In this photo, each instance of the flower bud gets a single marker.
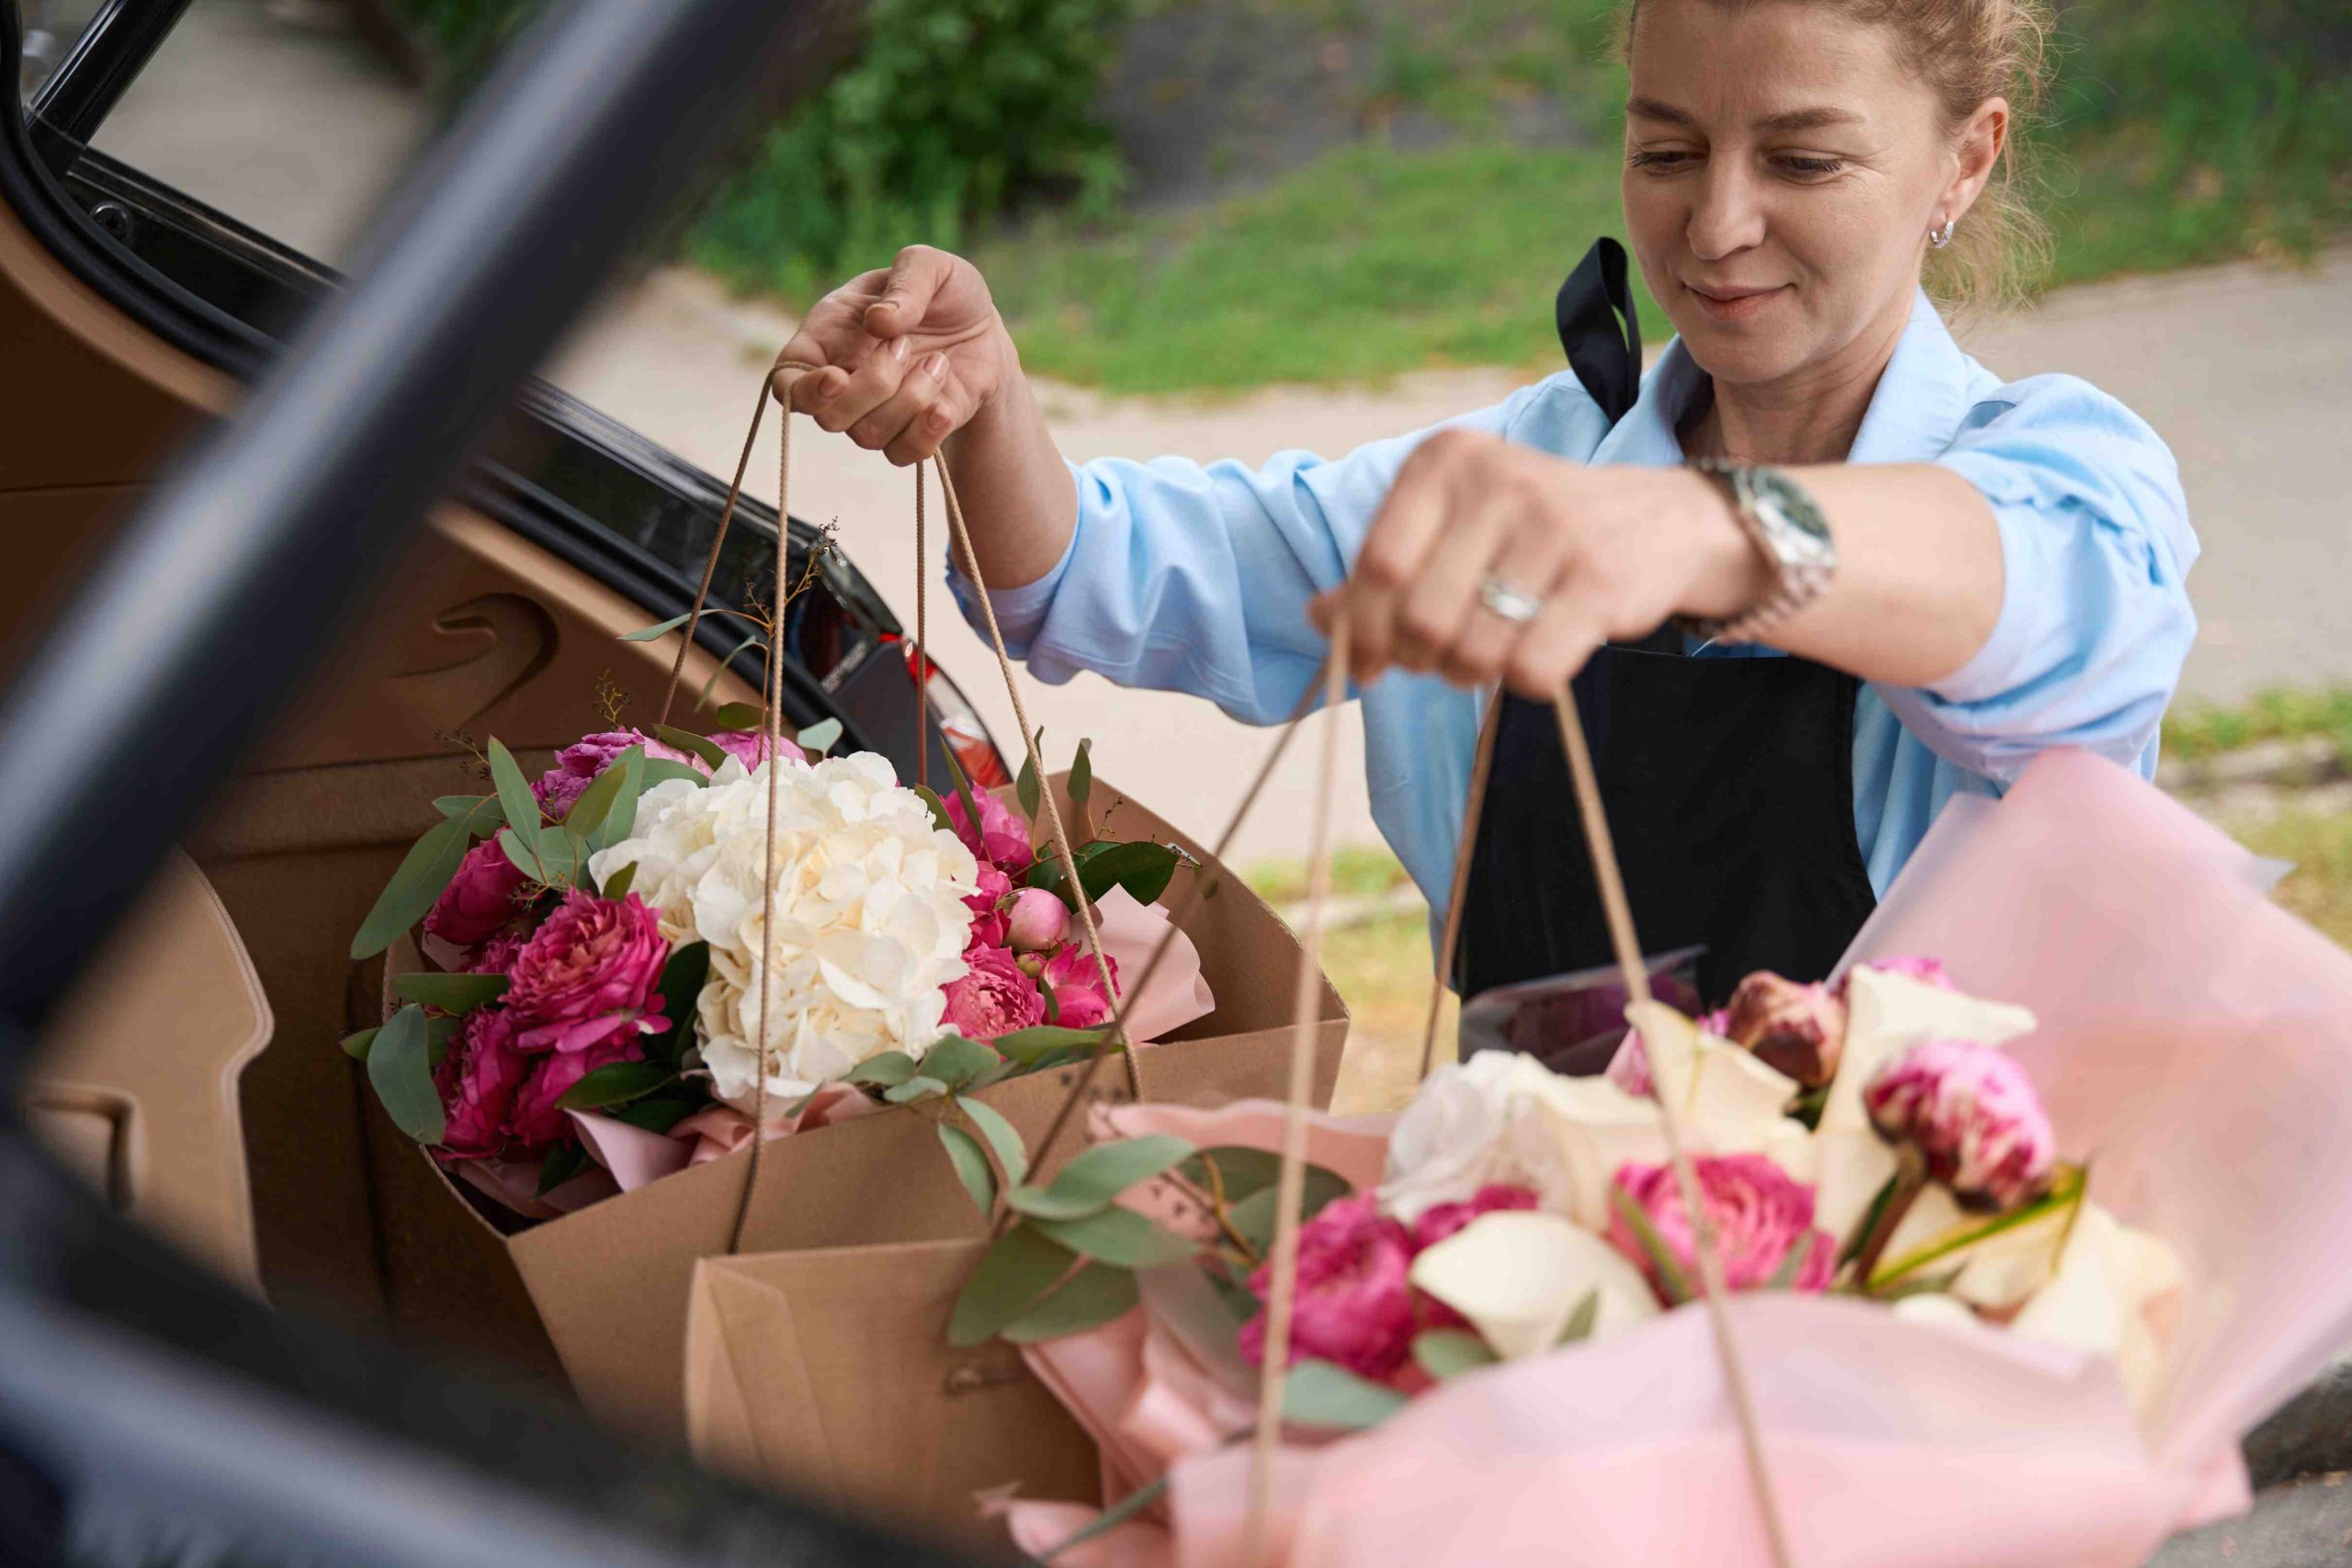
(1030, 964)
(1974, 1116)
(1792, 1029)
(1038, 920)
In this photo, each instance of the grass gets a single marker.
(2194, 732)
(2320, 888)
(2180, 132)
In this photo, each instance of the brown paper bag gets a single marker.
(862, 1406)
(611, 1282)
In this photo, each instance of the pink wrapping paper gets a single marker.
(2195, 1041)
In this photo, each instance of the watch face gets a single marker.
(1799, 532)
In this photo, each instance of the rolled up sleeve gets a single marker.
(1189, 577)
(2095, 620)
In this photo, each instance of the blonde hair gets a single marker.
(1967, 52)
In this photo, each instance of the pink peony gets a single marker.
(750, 747)
(591, 972)
(479, 899)
(1077, 980)
(478, 1080)
(1442, 1220)
(538, 1120)
(994, 998)
(577, 765)
(990, 922)
(1972, 1112)
(1760, 1215)
(1797, 1030)
(1927, 971)
(1001, 839)
(1353, 1305)
(1037, 920)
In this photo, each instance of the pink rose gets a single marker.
(1001, 839)
(1975, 1115)
(1353, 1305)
(1037, 920)
(479, 899)
(591, 972)
(538, 1120)
(1076, 981)
(1442, 1220)
(478, 1080)
(1760, 1214)
(1927, 971)
(993, 998)
(577, 765)
(1797, 1030)
(988, 919)
(750, 747)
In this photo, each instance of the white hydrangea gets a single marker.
(871, 922)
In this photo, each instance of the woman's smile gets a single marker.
(1726, 303)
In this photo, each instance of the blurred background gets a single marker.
(1222, 228)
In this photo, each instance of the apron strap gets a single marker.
(1606, 359)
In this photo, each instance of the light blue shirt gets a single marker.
(1192, 578)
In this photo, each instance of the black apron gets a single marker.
(1728, 782)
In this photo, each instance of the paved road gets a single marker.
(264, 108)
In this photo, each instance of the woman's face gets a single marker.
(1782, 170)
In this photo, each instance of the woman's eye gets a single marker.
(1811, 168)
(1662, 160)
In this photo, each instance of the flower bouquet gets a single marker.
(576, 1035)
(2008, 1283)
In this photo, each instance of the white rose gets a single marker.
(1474, 1123)
(870, 922)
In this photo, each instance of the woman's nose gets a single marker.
(1729, 216)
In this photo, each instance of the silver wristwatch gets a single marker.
(1781, 521)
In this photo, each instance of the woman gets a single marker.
(1959, 572)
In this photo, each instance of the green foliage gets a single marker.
(953, 112)
(2196, 730)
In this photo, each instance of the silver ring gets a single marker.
(1506, 602)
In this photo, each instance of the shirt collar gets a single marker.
(1913, 417)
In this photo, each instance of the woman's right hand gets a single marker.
(910, 355)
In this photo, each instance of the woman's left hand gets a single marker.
(1605, 553)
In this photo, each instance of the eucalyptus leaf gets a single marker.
(619, 822)
(1028, 1045)
(1091, 1181)
(595, 802)
(688, 740)
(939, 817)
(423, 872)
(1120, 1236)
(963, 789)
(971, 1163)
(1023, 1265)
(515, 796)
(1090, 1298)
(1317, 1393)
(1112, 1517)
(621, 880)
(955, 1061)
(440, 1034)
(1253, 1216)
(464, 805)
(615, 1083)
(820, 738)
(657, 630)
(520, 858)
(355, 1044)
(1082, 774)
(1449, 1352)
(736, 715)
(658, 1113)
(1001, 1136)
(662, 770)
(450, 993)
(887, 1069)
(923, 1086)
(400, 1071)
(1027, 789)
(702, 698)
